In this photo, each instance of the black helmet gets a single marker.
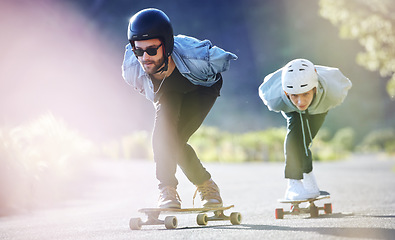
(151, 23)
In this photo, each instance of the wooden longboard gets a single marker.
(311, 208)
(184, 210)
(171, 222)
(304, 200)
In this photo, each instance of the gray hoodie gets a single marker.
(331, 91)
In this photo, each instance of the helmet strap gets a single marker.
(165, 67)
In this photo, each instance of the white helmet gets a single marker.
(299, 76)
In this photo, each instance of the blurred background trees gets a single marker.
(64, 57)
(372, 24)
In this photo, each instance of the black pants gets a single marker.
(180, 110)
(298, 158)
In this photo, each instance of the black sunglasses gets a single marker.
(152, 51)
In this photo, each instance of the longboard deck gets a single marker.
(171, 222)
(304, 200)
(184, 210)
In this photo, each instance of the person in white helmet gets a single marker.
(303, 93)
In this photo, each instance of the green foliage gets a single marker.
(37, 160)
(372, 24)
(133, 146)
(265, 145)
(209, 142)
(379, 141)
(213, 145)
(344, 140)
(339, 146)
(137, 145)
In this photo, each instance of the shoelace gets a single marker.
(170, 193)
(205, 191)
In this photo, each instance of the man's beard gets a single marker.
(154, 65)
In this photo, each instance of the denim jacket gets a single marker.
(332, 89)
(198, 61)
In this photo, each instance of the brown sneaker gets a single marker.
(209, 194)
(169, 198)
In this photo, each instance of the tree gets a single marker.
(371, 22)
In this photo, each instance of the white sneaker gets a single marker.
(169, 198)
(296, 191)
(209, 194)
(310, 184)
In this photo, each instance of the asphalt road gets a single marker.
(362, 195)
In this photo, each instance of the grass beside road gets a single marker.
(38, 161)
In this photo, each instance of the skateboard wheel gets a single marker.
(171, 222)
(313, 211)
(201, 219)
(235, 218)
(135, 223)
(279, 213)
(328, 208)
